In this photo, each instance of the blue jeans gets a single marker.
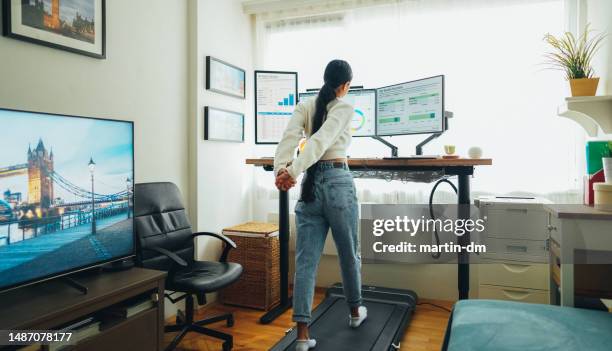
(335, 207)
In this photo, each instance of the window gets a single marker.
(503, 99)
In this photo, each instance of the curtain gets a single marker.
(503, 98)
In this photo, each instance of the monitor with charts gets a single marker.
(415, 107)
(275, 100)
(364, 103)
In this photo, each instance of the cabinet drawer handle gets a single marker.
(516, 248)
(516, 294)
(516, 268)
(520, 210)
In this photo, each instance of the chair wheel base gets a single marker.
(180, 317)
(227, 346)
(189, 325)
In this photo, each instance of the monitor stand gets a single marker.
(419, 148)
(394, 149)
(74, 284)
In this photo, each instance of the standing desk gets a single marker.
(462, 168)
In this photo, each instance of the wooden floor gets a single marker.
(426, 331)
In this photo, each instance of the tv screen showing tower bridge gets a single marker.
(66, 186)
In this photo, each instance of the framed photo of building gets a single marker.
(223, 125)
(77, 26)
(225, 78)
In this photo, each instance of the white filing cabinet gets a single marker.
(515, 266)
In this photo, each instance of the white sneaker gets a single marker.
(304, 345)
(355, 322)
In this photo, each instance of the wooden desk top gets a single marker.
(578, 212)
(400, 162)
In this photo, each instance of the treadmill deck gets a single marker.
(389, 312)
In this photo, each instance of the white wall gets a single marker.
(223, 179)
(599, 14)
(154, 75)
(143, 79)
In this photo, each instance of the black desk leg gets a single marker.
(463, 267)
(283, 222)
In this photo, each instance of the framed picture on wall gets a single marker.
(223, 125)
(77, 26)
(225, 78)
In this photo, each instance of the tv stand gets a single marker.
(74, 284)
(52, 305)
(116, 266)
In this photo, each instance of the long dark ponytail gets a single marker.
(337, 73)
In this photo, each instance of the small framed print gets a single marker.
(77, 26)
(223, 125)
(225, 78)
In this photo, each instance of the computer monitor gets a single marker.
(275, 100)
(303, 97)
(415, 107)
(364, 103)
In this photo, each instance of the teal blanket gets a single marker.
(502, 325)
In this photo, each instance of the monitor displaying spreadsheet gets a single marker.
(415, 107)
(364, 116)
(275, 100)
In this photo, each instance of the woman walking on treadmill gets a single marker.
(327, 199)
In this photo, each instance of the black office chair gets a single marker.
(165, 242)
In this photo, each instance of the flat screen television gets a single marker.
(66, 186)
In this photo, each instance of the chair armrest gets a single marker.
(174, 257)
(218, 236)
(230, 244)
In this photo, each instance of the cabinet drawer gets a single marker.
(516, 223)
(516, 250)
(135, 333)
(520, 275)
(513, 294)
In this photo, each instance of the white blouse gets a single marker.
(331, 141)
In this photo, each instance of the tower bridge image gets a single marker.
(40, 167)
(42, 178)
(39, 229)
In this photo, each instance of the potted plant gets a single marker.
(573, 55)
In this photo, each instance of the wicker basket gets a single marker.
(258, 252)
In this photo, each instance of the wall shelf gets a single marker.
(593, 113)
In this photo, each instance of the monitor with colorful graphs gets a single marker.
(364, 103)
(415, 107)
(275, 100)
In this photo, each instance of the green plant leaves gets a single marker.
(572, 54)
